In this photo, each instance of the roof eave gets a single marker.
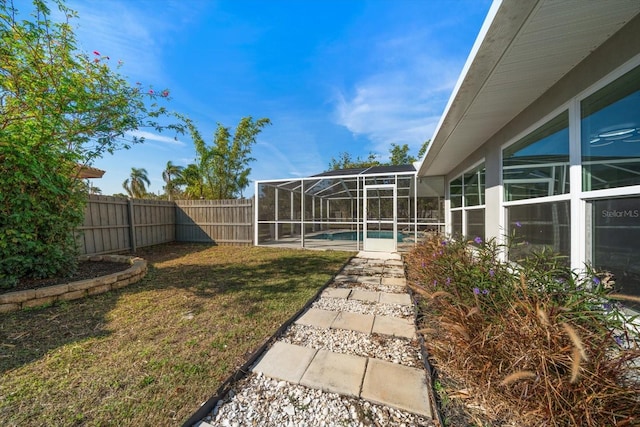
(522, 51)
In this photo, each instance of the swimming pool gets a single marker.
(353, 235)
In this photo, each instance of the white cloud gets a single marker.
(124, 31)
(185, 161)
(402, 100)
(150, 136)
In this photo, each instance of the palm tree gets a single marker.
(135, 184)
(171, 171)
(94, 190)
(192, 178)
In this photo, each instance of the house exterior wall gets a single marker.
(621, 48)
(577, 209)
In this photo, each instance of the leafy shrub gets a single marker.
(39, 207)
(59, 109)
(544, 345)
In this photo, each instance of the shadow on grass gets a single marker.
(183, 278)
(28, 335)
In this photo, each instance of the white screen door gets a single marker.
(380, 218)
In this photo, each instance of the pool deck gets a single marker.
(334, 245)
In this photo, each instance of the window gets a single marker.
(475, 223)
(456, 223)
(538, 164)
(615, 243)
(539, 226)
(455, 193)
(466, 194)
(610, 133)
(474, 187)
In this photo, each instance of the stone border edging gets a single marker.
(14, 301)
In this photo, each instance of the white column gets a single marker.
(276, 216)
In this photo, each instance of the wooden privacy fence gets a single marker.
(115, 224)
(227, 222)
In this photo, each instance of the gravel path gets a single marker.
(364, 307)
(261, 401)
(395, 350)
(257, 400)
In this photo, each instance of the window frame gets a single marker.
(480, 165)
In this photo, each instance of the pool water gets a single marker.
(353, 235)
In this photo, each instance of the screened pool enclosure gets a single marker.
(381, 208)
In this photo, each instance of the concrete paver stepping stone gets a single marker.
(346, 278)
(384, 256)
(395, 385)
(396, 326)
(317, 317)
(376, 263)
(393, 271)
(336, 293)
(362, 295)
(286, 362)
(394, 281)
(389, 298)
(354, 322)
(394, 276)
(394, 263)
(372, 271)
(352, 269)
(335, 372)
(369, 280)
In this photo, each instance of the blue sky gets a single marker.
(332, 75)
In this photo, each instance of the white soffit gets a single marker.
(523, 49)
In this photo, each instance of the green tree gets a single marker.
(423, 148)
(223, 168)
(135, 184)
(58, 108)
(92, 189)
(345, 161)
(192, 179)
(171, 175)
(400, 155)
(232, 156)
(199, 177)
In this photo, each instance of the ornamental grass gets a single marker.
(528, 341)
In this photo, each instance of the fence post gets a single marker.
(132, 225)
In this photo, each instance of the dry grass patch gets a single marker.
(149, 354)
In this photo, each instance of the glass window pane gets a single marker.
(455, 193)
(611, 134)
(538, 164)
(537, 226)
(615, 245)
(474, 187)
(456, 223)
(475, 223)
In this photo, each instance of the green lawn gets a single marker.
(151, 353)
